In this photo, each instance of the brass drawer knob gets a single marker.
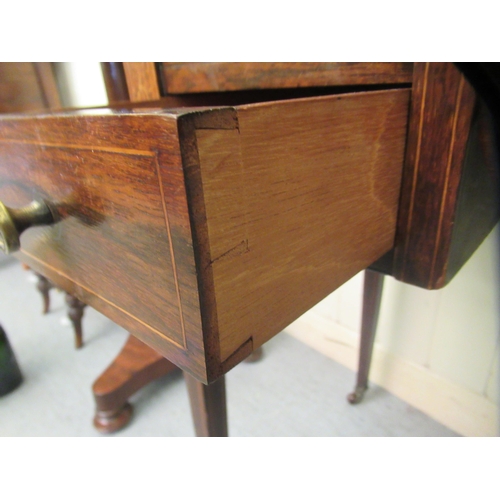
(13, 221)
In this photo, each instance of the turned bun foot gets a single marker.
(135, 366)
(112, 421)
(356, 396)
(75, 314)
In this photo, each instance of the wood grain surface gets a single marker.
(179, 78)
(440, 178)
(27, 86)
(298, 199)
(141, 81)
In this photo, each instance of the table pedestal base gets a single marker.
(135, 366)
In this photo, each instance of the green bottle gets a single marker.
(10, 374)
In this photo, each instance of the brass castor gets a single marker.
(356, 396)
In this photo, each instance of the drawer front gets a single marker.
(116, 215)
(205, 232)
(123, 244)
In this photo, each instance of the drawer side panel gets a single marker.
(299, 199)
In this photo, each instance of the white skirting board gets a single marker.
(459, 409)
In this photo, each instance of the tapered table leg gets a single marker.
(208, 407)
(372, 295)
(255, 356)
(135, 366)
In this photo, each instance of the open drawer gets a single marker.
(206, 231)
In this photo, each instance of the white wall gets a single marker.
(437, 350)
(81, 84)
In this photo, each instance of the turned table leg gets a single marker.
(372, 295)
(75, 314)
(208, 406)
(44, 286)
(135, 366)
(75, 306)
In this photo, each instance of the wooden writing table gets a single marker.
(206, 222)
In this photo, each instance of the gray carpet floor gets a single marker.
(292, 391)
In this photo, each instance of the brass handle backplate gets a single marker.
(13, 221)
